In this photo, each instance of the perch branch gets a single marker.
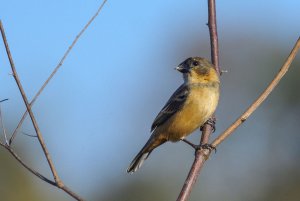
(202, 154)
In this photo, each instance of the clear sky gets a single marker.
(97, 111)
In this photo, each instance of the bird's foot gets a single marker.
(212, 122)
(191, 144)
(210, 147)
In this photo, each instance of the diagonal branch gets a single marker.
(39, 175)
(13, 153)
(60, 63)
(34, 122)
(58, 183)
(261, 98)
(2, 124)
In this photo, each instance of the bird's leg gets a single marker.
(191, 144)
(208, 146)
(200, 146)
(212, 122)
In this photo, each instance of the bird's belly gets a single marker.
(194, 114)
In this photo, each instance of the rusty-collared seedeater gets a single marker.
(191, 105)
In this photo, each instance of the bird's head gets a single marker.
(197, 69)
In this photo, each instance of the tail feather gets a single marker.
(138, 161)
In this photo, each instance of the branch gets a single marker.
(58, 183)
(39, 175)
(213, 33)
(35, 125)
(14, 154)
(202, 154)
(261, 98)
(2, 123)
(60, 63)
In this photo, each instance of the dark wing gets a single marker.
(174, 104)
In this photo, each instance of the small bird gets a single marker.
(191, 105)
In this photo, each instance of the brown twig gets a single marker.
(34, 122)
(55, 70)
(58, 183)
(2, 124)
(261, 98)
(213, 33)
(202, 154)
(14, 154)
(39, 175)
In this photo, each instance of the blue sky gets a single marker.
(97, 111)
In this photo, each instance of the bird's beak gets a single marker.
(183, 68)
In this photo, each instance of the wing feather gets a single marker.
(174, 104)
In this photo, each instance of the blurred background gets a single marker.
(96, 113)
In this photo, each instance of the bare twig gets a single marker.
(29, 135)
(42, 177)
(34, 122)
(11, 151)
(202, 154)
(213, 33)
(3, 100)
(58, 183)
(261, 98)
(56, 69)
(2, 125)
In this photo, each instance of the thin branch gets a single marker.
(212, 25)
(29, 135)
(2, 126)
(11, 151)
(3, 100)
(34, 122)
(202, 154)
(60, 63)
(261, 98)
(213, 33)
(58, 183)
(39, 175)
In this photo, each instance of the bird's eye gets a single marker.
(195, 63)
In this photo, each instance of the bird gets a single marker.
(190, 106)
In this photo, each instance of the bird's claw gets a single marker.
(206, 146)
(212, 122)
